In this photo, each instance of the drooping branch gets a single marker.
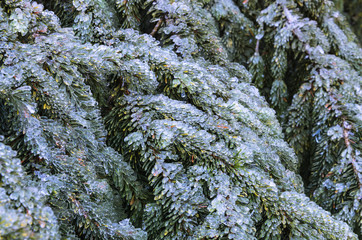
(346, 128)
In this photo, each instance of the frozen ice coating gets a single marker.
(165, 119)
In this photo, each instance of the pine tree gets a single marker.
(163, 119)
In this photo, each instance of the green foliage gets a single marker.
(136, 120)
(352, 10)
(323, 121)
(23, 213)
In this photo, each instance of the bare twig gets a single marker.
(257, 46)
(155, 29)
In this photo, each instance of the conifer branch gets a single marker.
(346, 129)
(190, 150)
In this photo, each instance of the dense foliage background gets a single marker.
(163, 119)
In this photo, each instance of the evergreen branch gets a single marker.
(346, 129)
(200, 154)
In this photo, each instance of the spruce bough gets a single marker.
(153, 120)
